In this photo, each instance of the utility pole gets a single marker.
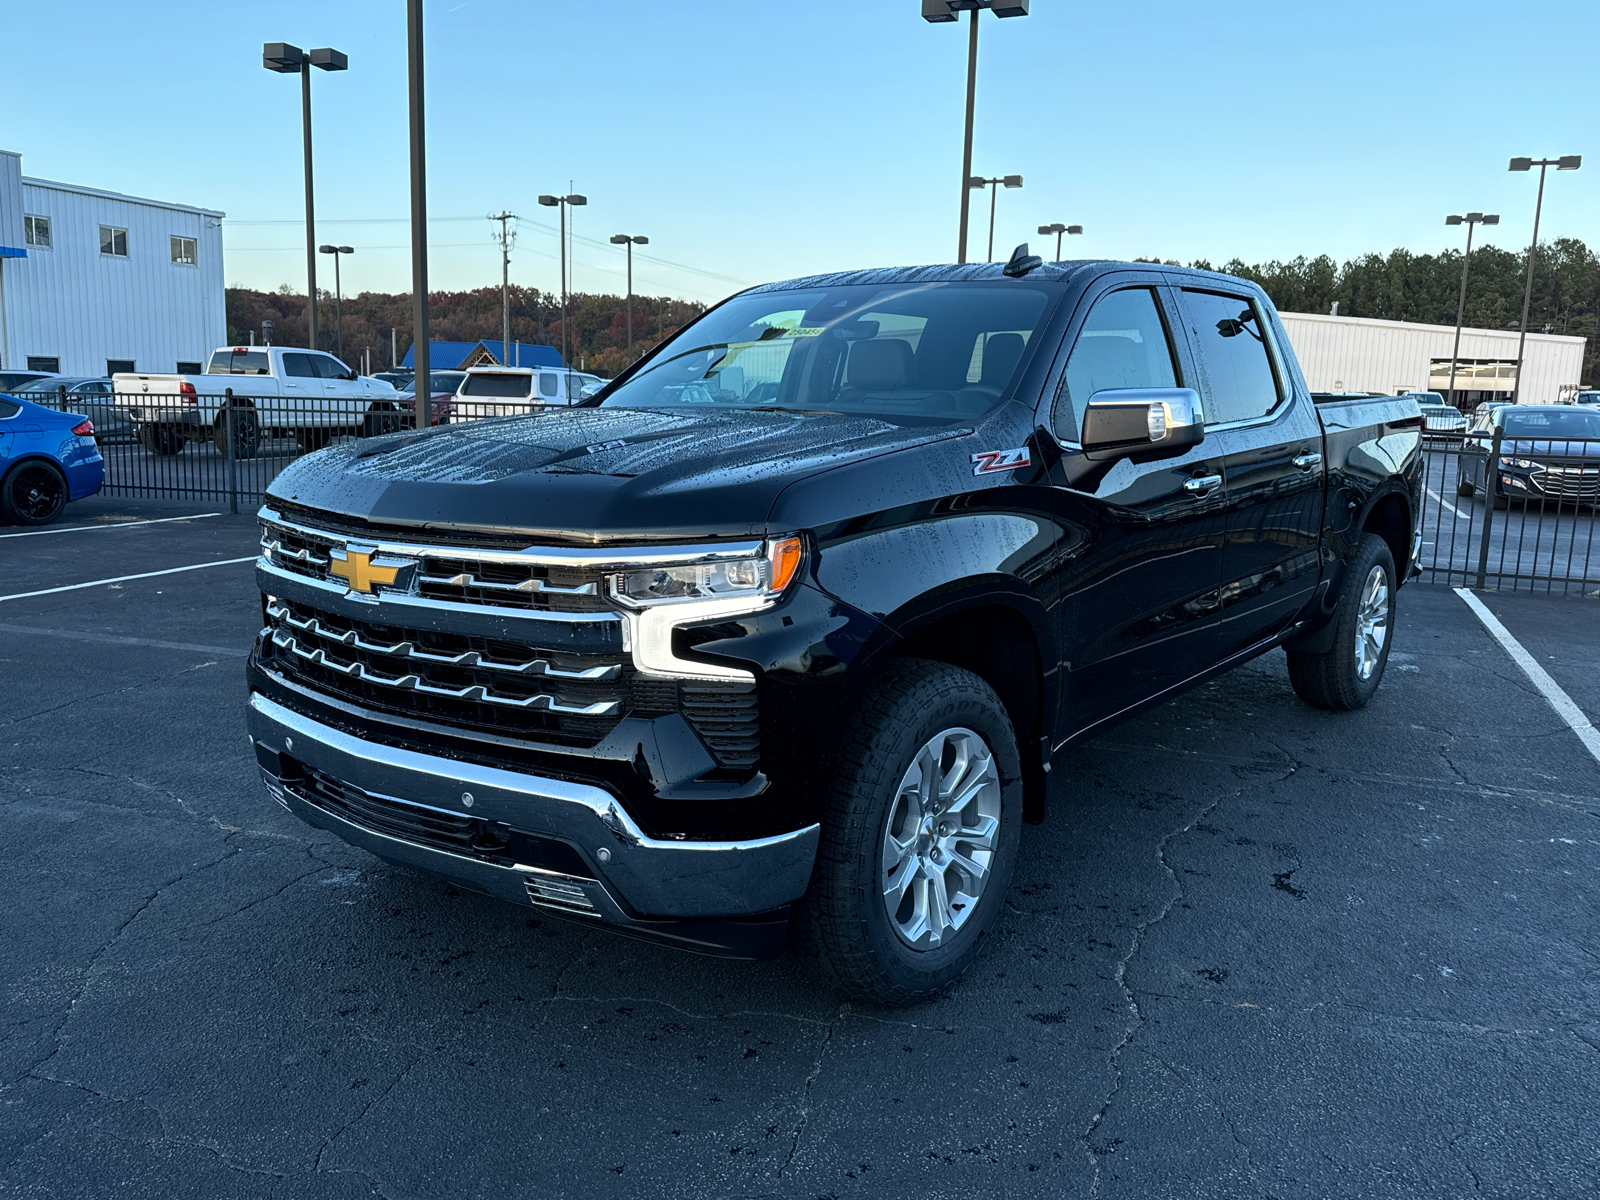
(419, 205)
(505, 237)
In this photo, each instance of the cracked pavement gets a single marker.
(1256, 951)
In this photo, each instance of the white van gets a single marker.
(511, 391)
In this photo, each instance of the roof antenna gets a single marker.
(1021, 263)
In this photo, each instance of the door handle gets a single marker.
(1306, 461)
(1200, 485)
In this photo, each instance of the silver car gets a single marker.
(90, 396)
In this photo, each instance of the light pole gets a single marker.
(505, 237)
(1469, 221)
(291, 60)
(623, 239)
(1058, 229)
(338, 291)
(420, 364)
(1567, 162)
(936, 12)
(978, 181)
(561, 202)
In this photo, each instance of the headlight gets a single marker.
(1526, 464)
(757, 577)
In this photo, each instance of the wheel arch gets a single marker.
(1389, 516)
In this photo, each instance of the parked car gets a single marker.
(400, 380)
(1587, 397)
(277, 390)
(90, 396)
(1443, 420)
(515, 391)
(1547, 451)
(786, 630)
(47, 458)
(10, 381)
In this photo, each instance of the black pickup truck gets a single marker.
(781, 634)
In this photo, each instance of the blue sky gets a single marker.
(756, 140)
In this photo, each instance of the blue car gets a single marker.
(46, 459)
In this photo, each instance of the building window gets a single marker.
(190, 368)
(119, 366)
(37, 231)
(183, 251)
(113, 241)
(40, 363)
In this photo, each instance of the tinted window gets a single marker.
(299, 366)
(1228, 336)
(518, 387)
(331, 368)
(887, 350)
(9, 408)
(1543, 421)
(251, 362)
(1123, 344)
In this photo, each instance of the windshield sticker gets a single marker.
(987, 462)
(805, 331)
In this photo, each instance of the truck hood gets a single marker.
(592, 475)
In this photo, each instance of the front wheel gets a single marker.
(1464, 487)
(33, 493)
(919, 836)
(382, 417)
(1346, 675)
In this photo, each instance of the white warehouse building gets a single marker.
(1358, 354)
(95, 282)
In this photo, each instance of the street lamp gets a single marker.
(1567, 162)
(1469, 221)
(338, 291)
(562, 202)
(421, 360)
(622, 239)
(978, 181)
(291, 60)
(937, 12)
(1058, 229)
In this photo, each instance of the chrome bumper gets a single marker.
(635, 880)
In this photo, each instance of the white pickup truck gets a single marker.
(277, 391)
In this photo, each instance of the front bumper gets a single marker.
(720, 897)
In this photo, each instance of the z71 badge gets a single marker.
(989, 461)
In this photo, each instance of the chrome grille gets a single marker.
(1576, 482)
(478, 682)
(562, 893)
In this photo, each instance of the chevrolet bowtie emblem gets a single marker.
(363, 573)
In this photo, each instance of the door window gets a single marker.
(1230, 340)
(331, 368)
(299, 366)
(1123, 344)
(547, 384)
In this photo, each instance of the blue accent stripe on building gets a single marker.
(12, 252)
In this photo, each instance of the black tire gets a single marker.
(33, 492)
(843, 926)
(1332, 680)
(246, 432)
(382, 417)
(312, 439)
(1500, 500)
(1465, 487)
(165, 440)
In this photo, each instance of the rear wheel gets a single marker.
(33, 493)
(1464, 487)
(312, 439)
(165, 440)
(919, 837)
(382, 417)
(246, 432)
(1346, 675)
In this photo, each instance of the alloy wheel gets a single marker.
(939, 839)
(38, 492)
(1372, 622)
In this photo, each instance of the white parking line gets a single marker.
(73, 587)
(114, 525)
(1559, 700)
(1446, 504)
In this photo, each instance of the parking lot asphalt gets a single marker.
(1257, 950)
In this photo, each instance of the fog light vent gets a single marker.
(563, 893)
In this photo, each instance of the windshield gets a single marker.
(518, 386)
(1551, 422)
(946, 351)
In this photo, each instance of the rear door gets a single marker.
(1270, 443)
(1138, 598)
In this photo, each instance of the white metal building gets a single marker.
(1357, 354)
(95, 282)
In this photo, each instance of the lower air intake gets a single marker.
(562, 893)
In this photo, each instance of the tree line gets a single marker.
(1399, 286)
(597, 325)
(1425, 288)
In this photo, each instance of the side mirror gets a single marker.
(1141, 423)
(590, 389)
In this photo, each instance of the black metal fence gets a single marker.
(1520, 518)
(1511, 514)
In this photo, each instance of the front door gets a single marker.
(1270, 442)
(1137, 596)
